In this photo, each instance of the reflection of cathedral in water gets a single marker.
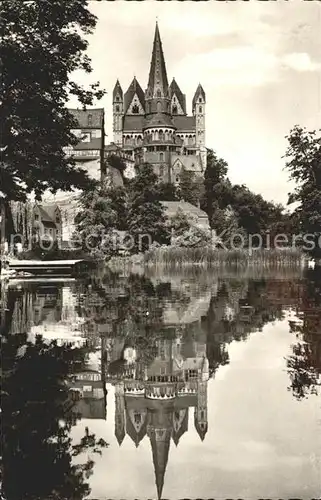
(154, 399)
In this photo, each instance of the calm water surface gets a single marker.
(163, 386)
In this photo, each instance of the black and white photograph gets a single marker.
(160, 249)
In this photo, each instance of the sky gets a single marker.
(258, 62)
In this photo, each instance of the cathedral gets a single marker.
(154, 127)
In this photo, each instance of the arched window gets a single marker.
(200, 109)
(156, 135)
(174, 110)
(159, 107)
(117, 98)
(161, 156)
(139, 140)
(135, 109)
(90, 120)
(117, 109)
(190, 140)
(161, 135)
(200, 99)
(158, 93)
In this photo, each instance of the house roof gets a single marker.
(133, 123)
(187, 123)
(134, 88)
(179, 94)
(47, 212)
(83, 117)
(171, 208)
(190, 162)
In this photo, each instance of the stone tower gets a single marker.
(118, 113)
(198, 108)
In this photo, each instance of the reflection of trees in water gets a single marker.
(37, 416)
(304, 364)
(130, 308)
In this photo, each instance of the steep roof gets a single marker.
(157, 72)
(133, 123)
(134, 88)
(47, 212)
(117, 90)
(179, 94)
(84, 120)
(185, 123)
(199, 93)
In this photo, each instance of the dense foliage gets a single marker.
(42, 44)
(304, 166)
(37, 417)
(146, 215)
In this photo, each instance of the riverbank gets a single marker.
(177, 258)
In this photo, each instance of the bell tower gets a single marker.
(198, 107)
(118, 113)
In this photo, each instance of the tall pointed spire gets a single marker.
(157, 81)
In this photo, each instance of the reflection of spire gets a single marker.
(200, 412)
(136, 419)
(180, 424)
(160, 431)
(119, 413)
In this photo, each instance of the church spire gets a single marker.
(157, 81)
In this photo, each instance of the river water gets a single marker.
(194, 385)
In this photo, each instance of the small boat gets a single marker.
(12, 274)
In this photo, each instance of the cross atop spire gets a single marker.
(157, 81)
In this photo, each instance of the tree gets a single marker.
(304, 166)
(167, 191)
(42, 44)
(145, 213)
(37, 418)
(190, 187)
(97, 220)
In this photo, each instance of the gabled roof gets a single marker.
(189, 162)
(95, 143)
(179, 94)
(134, 88)
(117, 90)
(184, 123)
(89, 118)
(157, 70)
(47, 212)
(199, 93)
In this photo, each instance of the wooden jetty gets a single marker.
(29, 269)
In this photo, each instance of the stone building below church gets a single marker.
(154, 127)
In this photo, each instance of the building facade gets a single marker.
(154, 127)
